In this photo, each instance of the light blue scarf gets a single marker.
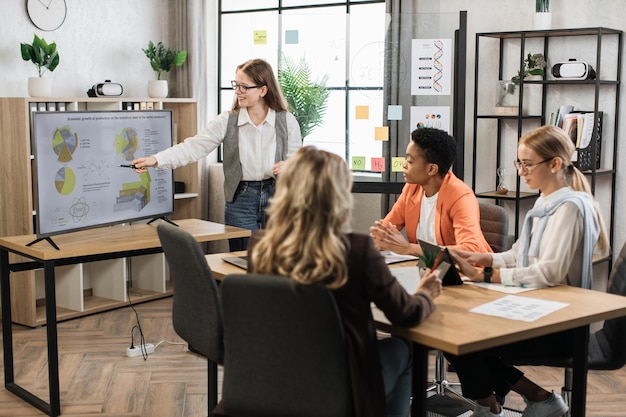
(530, 247)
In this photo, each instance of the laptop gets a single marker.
(239, 261)
(450, 275)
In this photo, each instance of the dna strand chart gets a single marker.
(431, 64)
(438, 65)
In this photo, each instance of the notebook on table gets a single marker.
(446, 265)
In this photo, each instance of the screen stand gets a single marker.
(165, 219)
(48, 239)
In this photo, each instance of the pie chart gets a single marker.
(65, 181)
(64, 143)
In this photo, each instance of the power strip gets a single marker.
(138, 351)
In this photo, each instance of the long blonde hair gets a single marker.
(309, 216)
(552, 142)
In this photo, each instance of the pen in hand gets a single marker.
(128, 166)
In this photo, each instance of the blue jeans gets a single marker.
(248, 209)
(396, 359)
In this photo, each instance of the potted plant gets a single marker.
(162, 59)
(306, 99)
(45, 57)
(507, 102)
(542, 19)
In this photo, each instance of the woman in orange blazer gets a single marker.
(435, 205)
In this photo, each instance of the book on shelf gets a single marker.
(584, 131)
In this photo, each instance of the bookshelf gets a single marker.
(499, 56)
(95, 286)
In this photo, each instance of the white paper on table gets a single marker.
(519, 308)
(408, 277)
(501, 288)
(392, 257)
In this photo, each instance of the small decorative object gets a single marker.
(542, 19)
(502, 187)
(45, 57)
(162, 59)
(507, 99)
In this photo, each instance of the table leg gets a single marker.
(420, 374)
(51, 330)
(579, 384)
(7, 328)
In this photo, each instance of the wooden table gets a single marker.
(78, 247)
(453, 329)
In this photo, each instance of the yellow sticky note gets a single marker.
(358, 163)
(396, 164)
(260, 37)
(378, 164)
(362, 112)
(381, 133)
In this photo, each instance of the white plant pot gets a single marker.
(39, 87)
(542, 21)
(157, 88)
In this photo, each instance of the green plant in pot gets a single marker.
(162, 59)
(307, 99)
(45, 57)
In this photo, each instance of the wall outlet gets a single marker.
(138, 351)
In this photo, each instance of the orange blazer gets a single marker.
(457, 216)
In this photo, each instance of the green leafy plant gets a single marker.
(533, 65)
(542, 6)
(163, 59)
(307, 99)
(45, 56)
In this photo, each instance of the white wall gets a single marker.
(102, 39)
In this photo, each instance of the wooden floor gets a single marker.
(97, 379)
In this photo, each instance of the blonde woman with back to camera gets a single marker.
(308, 238)
(557, 241)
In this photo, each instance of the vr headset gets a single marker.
(573, 70)
(105, 89)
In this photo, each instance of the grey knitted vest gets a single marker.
(232, 163)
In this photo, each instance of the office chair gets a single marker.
(607, 346)
(196, 306)
(285, 350)
(494, 223)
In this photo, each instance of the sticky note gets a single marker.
(394, 112)
(362, 112)
(396, 163)
(378, 164)
(381, 133)
(291, 37)
(358, 163)
(260, 37)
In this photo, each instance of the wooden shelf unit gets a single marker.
(108, 281)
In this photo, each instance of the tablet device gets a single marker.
(449, 274)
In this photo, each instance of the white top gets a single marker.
(426, 223)
(257, 144)
(560, 253)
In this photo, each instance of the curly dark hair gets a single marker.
(438, 147)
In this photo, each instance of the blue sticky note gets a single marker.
(291, 37)
(394, 112)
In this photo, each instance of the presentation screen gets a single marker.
(83, 173)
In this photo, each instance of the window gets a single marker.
(341, 40)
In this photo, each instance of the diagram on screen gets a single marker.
(134, 195)
(64, 143)
(127, 143)
(65, 181)
(79, 209)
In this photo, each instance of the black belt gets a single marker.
(264, 182)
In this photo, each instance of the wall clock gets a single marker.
(47, 15)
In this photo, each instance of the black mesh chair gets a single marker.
(196, 306)
(285, 350)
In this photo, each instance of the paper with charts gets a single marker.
(519, 308)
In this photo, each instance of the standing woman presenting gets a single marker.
(258, 134)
